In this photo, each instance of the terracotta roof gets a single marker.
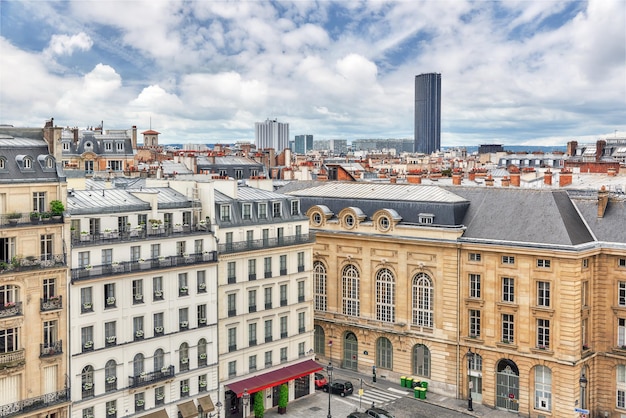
(150, 132)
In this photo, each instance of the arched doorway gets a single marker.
(350, 351)
(507, 385)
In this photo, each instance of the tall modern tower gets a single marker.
(303, 143)
(271, 134)
(427, 113)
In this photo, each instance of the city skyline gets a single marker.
(529, 73)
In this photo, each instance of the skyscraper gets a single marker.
(427, 113)
(303, 144)
(271, 134)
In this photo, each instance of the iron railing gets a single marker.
(259, 244)
(152, 377)
(46, 261)
(32, 404)
(134, 234)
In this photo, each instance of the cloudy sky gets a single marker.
(516, 72)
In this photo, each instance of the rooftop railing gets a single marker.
(32, 263)
(258, 244)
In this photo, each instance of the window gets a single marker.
(198, 246)
(86, 338)
(181, 248)
(252, 300)
(183, 289)
(157, 288)
(301, 261)
(83, 259)
(158, 361)
(109, 333)
(621, 332)
(295, 207)
(138, 291)
(584, 293)
(155, 251)
(426, 218)
(225, 213)
(543, 263)
(183, 318)
(508, 259)
(474, 280)
(202, 383)
(138, 329)
(543, 294)
(283, 265)
(87, 412)
(301, 291)
(283, 327)
(86, 299)
(249, 236)
(252, 363)
(184, 388)
(266, 236)
(300, 349)
(158, 323)
(621, 262)
(262, 210)
(135, 253)
(106, 257)
(268, 330)
(111, 407)
(39, 201)
(474, 256)
(109, 295)
(183, 357)
(283, 294)
(232, 339)
(301, 323)
(508, 328)
(229, 241)
(201, 312)
(508, 289)
(421, 360)
(474, 323)
(317, 219)
(276, 212)
(350, 291)
(543, 334)
(110, 376)
(621, 386)
(230, 274)
(238, 173)
(140, 401)
(159, 395)
(252, 269)
(319, 286)
(252, 334)
(45, 247)
(384, 353)
(385, 296)
(232, 304)
(202, 356)
(246, 211)
(267, 264)
(268, 358)
(268, 297)
(422, 300)
(49, 289)
(543, 388)
(384, 223)
(349, 220)
(621, 293)
(201, 281)
(283, 354)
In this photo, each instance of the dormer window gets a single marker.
(28, 163)
(119, 146)
(426, 218)
(66, 146)
(3, 163)
(24, 162)
(276, 212)
(295, 207)
(108, 146)
(225, 213)
(88, 145)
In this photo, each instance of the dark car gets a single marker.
(342, 387)
(378, 413)
(358, 415)
(320, 381)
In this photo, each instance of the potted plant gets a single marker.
(259, 408)
(283, 398)
(46, 216)
(14, 217)
(34, 217)
(56, 208)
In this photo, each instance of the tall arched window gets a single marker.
(138, 364)
(202, 357)
(86, 380)
(319, 340)
(350, 294)
(384, 353)
(183, 357)
(385, 296)
(543, 388)
(421, 360)
(422, 301)
(158, 361)
(110, 375)
(319, 283)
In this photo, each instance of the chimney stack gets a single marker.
(457, 177)
(603, 201)
(565, 179)
(505, 182)
(515, 175)
(547, 177)
(489, 181)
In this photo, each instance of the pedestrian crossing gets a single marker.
(379, 397)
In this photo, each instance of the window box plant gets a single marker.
(88, 344)
(184, 360)
(88, 386)
(160, 397)
(111, 300)
(203, 383)
(139, 402)
(138, 296)
(203, 356)
(56, 207)
(185, 389)
(111, 411)
(165, 369)
(139, 333)
(202, 286)
(111, 339)
(111, 379)
(158, 293)
(202, 320)
(184, 324)
(87, 305)
(158, 329)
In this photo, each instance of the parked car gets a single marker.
(358, 415)
(320, 381)
(378, 413)
(342, 387)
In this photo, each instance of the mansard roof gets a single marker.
(26, 158)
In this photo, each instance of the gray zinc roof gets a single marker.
(609, 228)
(82, 202)
(15, 148)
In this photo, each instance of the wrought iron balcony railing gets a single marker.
(51, 349)
(33, 404)
(12, 359)
(259, 244)
(46, 261)
(151, 377)
(135, 234)
(51, 303)
(10, 309)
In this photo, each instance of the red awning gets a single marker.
(276, 377)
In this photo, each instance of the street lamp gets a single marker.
(583, 390)
(218, 406)
(470, 357)
(329, 370)
(246, 402)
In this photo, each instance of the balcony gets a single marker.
(23, 219)
(10, 309)
(259, 244)
(152, 377)
(32, 263)
(34, 404)
(52, 349)
(12, 359)
(127, 267)
(51, 304)
(135, 234)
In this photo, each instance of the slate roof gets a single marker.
(93, 141)
(611, 227)
(16, 144)
(82, 202)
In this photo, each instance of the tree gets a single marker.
(259, 408)
(283, 398)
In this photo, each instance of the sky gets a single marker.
(514, 72)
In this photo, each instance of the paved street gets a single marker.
(385, 394)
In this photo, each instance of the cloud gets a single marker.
(66, 45)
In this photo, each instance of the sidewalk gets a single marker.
(301, 408)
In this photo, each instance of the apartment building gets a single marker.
(514, 296)
(143, 298)
(33, 271)
(265, 313)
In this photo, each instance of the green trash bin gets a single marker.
(422, 393)
(409, 382)
(425, 386)
(416, 393)
(403, 381)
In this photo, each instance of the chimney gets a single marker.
(547, 178)
(603, 201)
(489, 181)
(515, 175)
(571, 148)
(456, 178)
(565, 179)
(505, 182)
(134, 136)
(472, 175)
(600, 144)
(611, 172)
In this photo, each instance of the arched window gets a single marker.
(384, 353)
(138, 364)
(385, 296)
(319, 282)
(158, 361)
(350, 294)
(110, 376)
(202, 360)
(319, 340)
(86, 380)
(421, 360)
(422, 301)
(543, 388)
(183, 356)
